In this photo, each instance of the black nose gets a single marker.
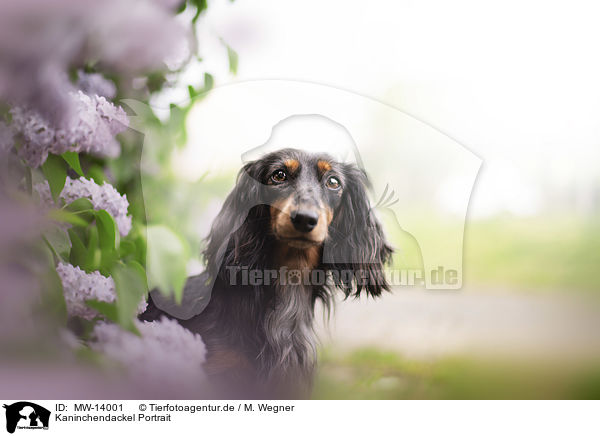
(304, 220)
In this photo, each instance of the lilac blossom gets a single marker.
(96, 84)
(103, 197)
(166, 354)
(41, 40)
(91, 129)
(79, 286)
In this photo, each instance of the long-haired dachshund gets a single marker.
(295, 227)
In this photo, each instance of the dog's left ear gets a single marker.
(356, 251)
(229, 234)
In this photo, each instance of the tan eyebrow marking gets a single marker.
(291, 164)
(323, 166)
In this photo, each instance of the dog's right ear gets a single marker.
(245, 196)
(357, 245)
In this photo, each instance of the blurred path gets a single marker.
(421, 323)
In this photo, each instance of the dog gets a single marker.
(291, 214)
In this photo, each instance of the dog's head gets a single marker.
(295, 204)
(306, 192)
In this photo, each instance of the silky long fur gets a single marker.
(261, 338)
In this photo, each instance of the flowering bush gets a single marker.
(73, 250)
(79, 287)
(103, 197)
(92, 129)
(165, 353)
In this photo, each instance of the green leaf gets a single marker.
(59, 241)
(155, 81)
(93, 256)
(201, 5)
(108, 310)
(78, 255)
(209, 82)
(166, 259)
(64, 216)
(138, 237)
(83, 208)
(55, 171)
(52, 299)
(233, 59)
(107, 240)
(81, 204)
(177, 128)
(191, 91)
(135, 266)
(96, 173)
(131, 287)
(55, 256)
(201, 92)
(72, 158)
(107, 229)
(126, 248)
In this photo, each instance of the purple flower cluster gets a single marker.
(103, 197)
(40, 41)
(79, 286)
(96, 84)
(91, 130)
(165, 355)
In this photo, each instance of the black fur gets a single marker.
(270, 326)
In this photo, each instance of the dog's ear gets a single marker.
(356, 251)
(230, 237)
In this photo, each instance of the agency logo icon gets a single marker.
(26, 415)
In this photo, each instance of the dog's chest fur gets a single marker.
(264, 333)
(288, 327)
(289, 353)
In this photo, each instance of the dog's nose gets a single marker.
(304, 220)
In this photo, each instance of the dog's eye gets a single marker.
(279, 176)
(333, 183)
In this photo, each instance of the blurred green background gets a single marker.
(538, 258)
(526, 323)
(522, 261)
